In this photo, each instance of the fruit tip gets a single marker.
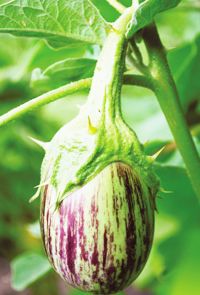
(156, 155)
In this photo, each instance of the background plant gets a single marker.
(34, 68)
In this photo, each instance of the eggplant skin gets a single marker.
(99, 238)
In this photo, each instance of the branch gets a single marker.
(136, 51)
(138, 80)
(44, 99)
(137, 65)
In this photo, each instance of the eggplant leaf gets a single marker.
(63, 72)
(61, 23)
(146, 12)
(28, 268)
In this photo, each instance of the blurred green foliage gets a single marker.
(173, 267)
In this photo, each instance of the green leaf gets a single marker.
(64, 22)
(146, 12)
(63, 72)
(186, 280)
(27, 268)
(183, 276)
(184, 29)
(14, 65)
(178, 26)
(181, 201)
(108, 12)
(17, 65)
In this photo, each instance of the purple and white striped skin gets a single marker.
(100, 237)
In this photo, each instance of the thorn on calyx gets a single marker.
(35, 196)
(42, 144)
(157, 154)
(114, 29)
(42, 184)
(39, 187)
(162, 190)
(92, 129)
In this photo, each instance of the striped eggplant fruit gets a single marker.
(99, 238)
(97, 186)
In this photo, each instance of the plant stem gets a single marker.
(167, 95)
(44, 99)
(135, 63)
(63, 91)
(118, 6)
(136, 51)
(138, 80)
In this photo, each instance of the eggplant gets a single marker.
(98, 188)
(99, 238)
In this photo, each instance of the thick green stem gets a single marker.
(166, 92)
